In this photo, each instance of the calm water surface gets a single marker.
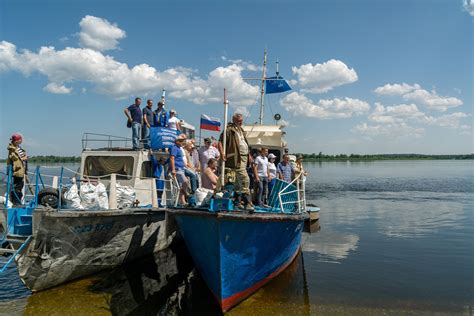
(396, 238)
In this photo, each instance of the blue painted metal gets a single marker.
(236, 256)
(12, 257)
(289, 195)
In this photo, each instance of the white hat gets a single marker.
(271, 156)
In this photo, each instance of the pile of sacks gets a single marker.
(94, 197)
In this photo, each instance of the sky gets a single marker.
(367, 77)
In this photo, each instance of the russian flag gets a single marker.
(210, 123)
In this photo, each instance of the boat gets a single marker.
(238, 252)
(53, 243)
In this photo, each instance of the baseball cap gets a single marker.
(271, 156)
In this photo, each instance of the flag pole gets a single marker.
(224, 138)
(200, 132)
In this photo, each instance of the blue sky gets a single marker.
(367, 76)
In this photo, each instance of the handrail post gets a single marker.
(298, 194)
(37, 177)
(9, 176)
(60, 188)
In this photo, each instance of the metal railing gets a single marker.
(299, 204)
(107, 141)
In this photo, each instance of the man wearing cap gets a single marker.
(272, 172)
(161, 115)
(135, 120)
(173, 121)
(236, 156)
(206, 152)
(17, 159)
(177, 166)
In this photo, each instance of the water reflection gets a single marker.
(332, 246)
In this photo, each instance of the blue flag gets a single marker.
(162, 137)
(276, 85)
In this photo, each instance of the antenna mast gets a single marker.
(262, 91)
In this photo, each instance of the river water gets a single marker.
(396, 238)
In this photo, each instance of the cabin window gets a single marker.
(104, 166)
(146, 170)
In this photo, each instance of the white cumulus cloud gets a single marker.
(396, 89)
(299, 104)
(415, 93)
(398, 114)
(57, 89)
(99, 34)
(468, 6)
(324, 77)
(391, 130)
(432, 100)
(118, 80)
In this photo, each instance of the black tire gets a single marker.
(49, 196)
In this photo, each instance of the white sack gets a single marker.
(89, 197)
(101, 191)
(3, 199)
(125, 196)
(203, 196)
(72, 198)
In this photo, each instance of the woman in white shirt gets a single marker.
(173, 121)
(272, 172)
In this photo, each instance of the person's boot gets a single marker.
(237, 202)
(248, 203)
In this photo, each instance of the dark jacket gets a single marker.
(232, 145)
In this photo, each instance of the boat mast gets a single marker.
(262, 91)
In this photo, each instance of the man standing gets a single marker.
(147, 123)
(207, 152)
(260, 172)
(161, 116)
(236, 157)
(177, 167)
(285, 170)
(135, 120)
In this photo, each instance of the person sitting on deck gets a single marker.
(177, 167)
(209, 177)
(17, 159)
(285, 170)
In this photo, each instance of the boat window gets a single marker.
(146, 171)
(100, 166)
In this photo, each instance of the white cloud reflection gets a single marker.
(332, 246)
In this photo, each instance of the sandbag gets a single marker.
(203, 196)
(72, 198)
(125, 196)
(103, 198)
(89, 197)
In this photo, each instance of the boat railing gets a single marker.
(105, 141)
(62, 178)
(298, 204)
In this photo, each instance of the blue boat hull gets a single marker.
(238, 253)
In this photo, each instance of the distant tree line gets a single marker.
(323, 157)
(51, 159)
